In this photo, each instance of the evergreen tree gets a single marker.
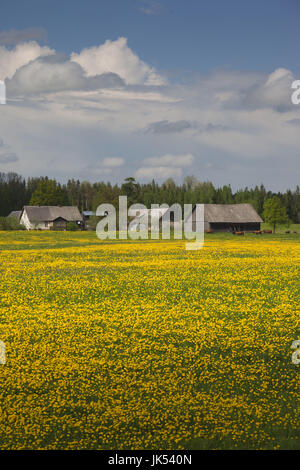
(49, 193)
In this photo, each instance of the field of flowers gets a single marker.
(143, 345)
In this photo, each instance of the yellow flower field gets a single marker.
(143, 345)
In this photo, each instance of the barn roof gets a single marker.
(230, 213)
(50, 213)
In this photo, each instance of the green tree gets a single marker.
(130, 189)
(49, 193)
(275, 213)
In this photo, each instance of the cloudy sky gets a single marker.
(101, 90)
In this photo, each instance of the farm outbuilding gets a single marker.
(15, 214)
(50, 217)
(229, 218)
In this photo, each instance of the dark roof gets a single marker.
(16, 214)
(230, 213)
(50, 213)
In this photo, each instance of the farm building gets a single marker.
(15, 214)
(229, 218)
(50, 217)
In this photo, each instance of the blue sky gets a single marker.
(179, 34)
(107, 89)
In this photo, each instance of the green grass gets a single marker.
(282, 228)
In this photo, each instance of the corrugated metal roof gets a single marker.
(50, 213)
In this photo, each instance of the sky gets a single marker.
(102, 90)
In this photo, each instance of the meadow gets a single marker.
(144, 345)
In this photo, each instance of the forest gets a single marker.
(16, 191)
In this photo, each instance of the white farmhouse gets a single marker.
(50, 217)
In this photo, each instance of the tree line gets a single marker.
(16, 191)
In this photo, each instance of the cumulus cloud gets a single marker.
(173, 160)
(117, 57)
(158, 172)
(233, 120)
(274, 92)
(15, 36)
(52, 74)
(12, 59)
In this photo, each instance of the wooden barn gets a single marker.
(50, 217)
(229, 218)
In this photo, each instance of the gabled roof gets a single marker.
(50, 213)
(230, 213)
(16, 214)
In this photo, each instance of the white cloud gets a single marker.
(112, 162)
(230, 120)
(12, 59)
(158, 172)
(169, 159)
(274, 92)
(51, 74)
(117, 57)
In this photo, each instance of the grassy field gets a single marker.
(282, 229)
(143, 345)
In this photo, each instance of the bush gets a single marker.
(91, 224)
(10, 223)
(72, 226)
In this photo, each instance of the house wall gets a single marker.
(59, 224)
(33, 226)
(25, 221)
